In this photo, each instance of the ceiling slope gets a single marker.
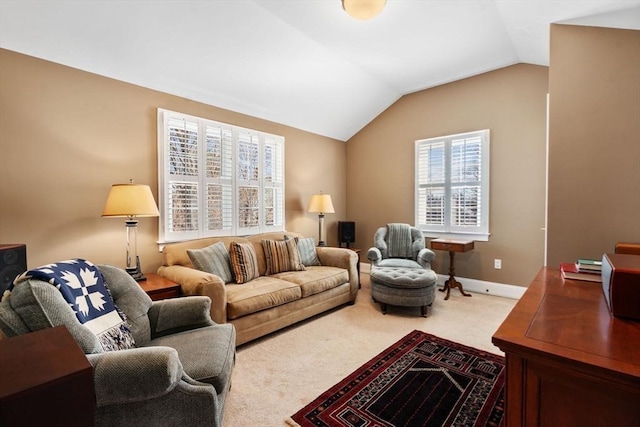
(302, 63)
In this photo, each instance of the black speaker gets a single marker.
(13, 261)
(346, 232)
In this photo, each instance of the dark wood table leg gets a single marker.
(452, 282)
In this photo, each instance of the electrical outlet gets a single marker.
(497, 264)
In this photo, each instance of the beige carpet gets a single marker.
(277, 375)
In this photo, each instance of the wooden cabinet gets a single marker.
(569, 362)
(45, 380)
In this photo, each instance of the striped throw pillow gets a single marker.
(307, 250)
(213, 259)
(281, 256)
(244, 262)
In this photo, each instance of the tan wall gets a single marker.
(594, 141)
(511, 102)
(67, 135)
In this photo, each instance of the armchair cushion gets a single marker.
(207, 354)
(244, 262)
(179, 314)
(399, 240)
(213, 259)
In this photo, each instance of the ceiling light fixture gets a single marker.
(363, 9)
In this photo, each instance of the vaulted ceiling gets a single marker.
(303, 63)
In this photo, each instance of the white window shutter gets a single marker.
(217, 179)
(452, 186)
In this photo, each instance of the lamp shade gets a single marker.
(363, 9)
(130, 200)
(321, 203)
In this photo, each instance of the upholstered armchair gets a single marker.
(400, 245)
(178, 373)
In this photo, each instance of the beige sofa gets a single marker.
(267, 303)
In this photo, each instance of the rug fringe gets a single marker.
(289, 422)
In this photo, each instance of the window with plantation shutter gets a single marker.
(452, 186)
(217, 179)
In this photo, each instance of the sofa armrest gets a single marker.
(200, 283)
(342, 258)
(134, 375)
(174, 315)
(425, 256)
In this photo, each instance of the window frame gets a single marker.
(447, 229)
(232, 227)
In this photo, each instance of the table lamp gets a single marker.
(321, 203)
(131, 201)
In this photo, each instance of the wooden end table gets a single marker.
(159, 288)
(41, 373)
(452, 246)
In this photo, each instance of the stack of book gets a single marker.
(583, 269)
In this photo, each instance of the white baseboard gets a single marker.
(474, 285)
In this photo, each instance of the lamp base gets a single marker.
(136, 274)
(322, 243)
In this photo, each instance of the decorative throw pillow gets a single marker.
(281, 255)
(244, 262)
(307, 250)
(213, 259)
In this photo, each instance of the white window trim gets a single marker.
(448, 231)
(164, 235)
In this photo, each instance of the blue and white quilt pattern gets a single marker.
(83, 287)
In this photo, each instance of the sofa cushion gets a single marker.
(316, 279)
(281, 255)
(307, 250)
(260, 294)
(243, 262)
(213, 259)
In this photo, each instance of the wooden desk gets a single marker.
(452, 246)
(569, 362)
(45, 380)
(159, 288)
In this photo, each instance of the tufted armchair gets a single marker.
(407, 250)
(179, 372)
(401, 273)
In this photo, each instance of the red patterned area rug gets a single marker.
(421, 380)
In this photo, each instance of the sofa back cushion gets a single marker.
(176, 253)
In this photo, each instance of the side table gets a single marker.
(159, 288)
(452, 246)
(40, 374)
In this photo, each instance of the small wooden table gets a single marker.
(452, 246)
(45, 379)
(159, 288)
